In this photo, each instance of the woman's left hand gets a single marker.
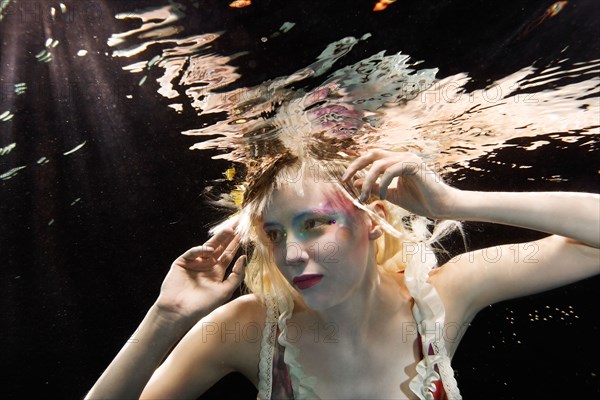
(418, 189)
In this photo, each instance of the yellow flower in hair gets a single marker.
(230, 173)
(237, 195)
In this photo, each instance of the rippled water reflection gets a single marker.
(386, 99)
(98, 190)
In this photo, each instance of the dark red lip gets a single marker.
(305, 281)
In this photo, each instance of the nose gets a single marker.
(295, 253)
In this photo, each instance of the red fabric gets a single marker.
(281, 382)
(440, 392)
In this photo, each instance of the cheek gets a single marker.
(278, 256)
(344, 234)
(352, 230)
(349, 244)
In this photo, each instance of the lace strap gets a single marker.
(447, 373)
(265, 366)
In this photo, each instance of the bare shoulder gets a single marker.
(226, 340)
(448, 281)
(237, 328)
(246, 308)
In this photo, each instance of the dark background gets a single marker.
(86, 238)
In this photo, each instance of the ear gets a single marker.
(378, 208)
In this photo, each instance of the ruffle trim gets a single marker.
(301, 383)
(429, 313)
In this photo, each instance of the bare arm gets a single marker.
(130, 370)
(474, 280)
(192, 289)
(573, 215)
(419, 190)
(226, 340)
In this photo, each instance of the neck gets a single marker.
(372, 303)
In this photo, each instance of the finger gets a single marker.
(220, 240)
(399, 169)
(358, 164)
(198, 251)
(358, 184)
(229, 252)
(387, 178)
(238, 272)
(404, 167)
(370, 180)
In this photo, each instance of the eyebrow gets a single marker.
(326, 210)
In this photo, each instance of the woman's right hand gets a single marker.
(194, 285)
(418, 189)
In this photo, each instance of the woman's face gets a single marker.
(320, 242)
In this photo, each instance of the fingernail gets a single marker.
(382, 195)
(363, 197)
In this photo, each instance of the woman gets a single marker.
(345, 302)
